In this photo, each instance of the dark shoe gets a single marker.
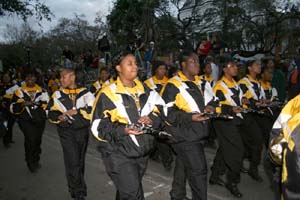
(7, 145)
(216, 181)
(244, 170)
(185, 198)
(79, 198)
(38, 166)
(234, 190)
(255, 176)
(33, 169)
(12, 142)
(155, 158)
(168, 167)
(211, 144)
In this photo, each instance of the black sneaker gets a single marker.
(168, 167)
(244, 170)
(216, 181)
(32, 168)
(6, 145)
(79, 198)
(234, 190)
(255, 175)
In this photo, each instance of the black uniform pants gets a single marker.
(33, 132)
(74, 144)
(230, 153)
(126, 174)
(191, 165)
(212, 135)
(10, 123)
(265, 124)
(253, 139)
(163, 151)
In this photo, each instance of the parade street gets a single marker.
(17, 183)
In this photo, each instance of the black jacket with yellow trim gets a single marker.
(254, 92)
(229, 95)
(288, 123)
(6, 93)
(61, 101)
(34, 94)
(179, 114)
(114, 108)
(155, 84)
(98, 85)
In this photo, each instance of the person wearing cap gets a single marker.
(70, 108)
(28, 104)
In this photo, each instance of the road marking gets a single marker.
(158, 186)
(148, 194)
(147, 177)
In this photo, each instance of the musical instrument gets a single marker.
(146, 129)
(214, 115)
(276, 148)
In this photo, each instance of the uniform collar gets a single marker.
(265, 84)
(34, 88)
(122, 90)
(229, 83)
(184, 78)
(163, 81)
(71, 91)
(251, 79)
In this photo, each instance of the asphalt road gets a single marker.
(17, 183)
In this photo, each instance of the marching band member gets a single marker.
(185, 102)
(287, 128)
(124, 149)
(29, 103)
(7, 89)
(257, 126)
(162, 151)
(70, 108)
(230, 153)
(102, 82)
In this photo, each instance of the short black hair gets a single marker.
(30, 71)
(226, 62)
(104, 69)
(156, 64)
(120, 56)
(184, 56)
(250, 62)
(69, 70)
(171, 71)
(266, 69)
